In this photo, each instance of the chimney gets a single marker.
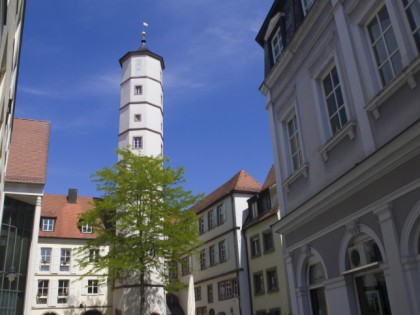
(72, 195)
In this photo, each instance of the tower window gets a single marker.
(138, 90)
(137, 142)
(137, 117)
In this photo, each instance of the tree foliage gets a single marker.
(143, 217)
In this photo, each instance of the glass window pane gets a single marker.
(343, 116)
(327, 85)
(380, 52)
(332, 106)
(390, 40)
(413, 14)
(374, 30)
(339, 95)
(386, 73)
(396, 63)
(335, 123)
(384, 18)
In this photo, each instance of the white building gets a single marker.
(59, 287)
(342, 89)
(141, 130)
(219, 271)
(267, 273)
(24, 187)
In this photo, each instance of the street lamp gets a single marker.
(12, 275)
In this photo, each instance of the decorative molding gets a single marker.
(347, 131)
(306, 250)
(353, 228)
(301, 171)
(405, 77)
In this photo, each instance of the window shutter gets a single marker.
(224, 213)
(206, 223)
(216, 253)
(72, 292)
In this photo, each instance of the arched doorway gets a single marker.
(92, 312)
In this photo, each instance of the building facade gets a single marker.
(24, 188)
(60, 286)
(12, 15)
(219, 270)
(141, 130)
(341, 83)
(269, 292)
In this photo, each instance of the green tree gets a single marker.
(143, 217)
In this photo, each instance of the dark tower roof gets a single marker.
(143, 50)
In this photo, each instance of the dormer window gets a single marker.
(277, 45)
(86, 228)
(47, 224)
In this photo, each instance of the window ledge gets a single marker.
(347, 131)
(406, 76)
(301, 171)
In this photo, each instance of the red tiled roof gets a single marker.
(27, 160)
(66, 214)
(241, 182)
(270, 179)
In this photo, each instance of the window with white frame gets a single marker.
(384, 45)
(45, 259)
(220, 215)
(258, 283)
(197, 293)
(93, 255)
(137, 142)
(222, 251)
(295, 146)
(306, 5)
(210, 293)
(86, 228)
(334, 100)
(228, 289)
(212, 254)
(255, 246)
(42, 294)
(412, 8)
(48, 224)
(268, 241)
(65, 259)
(137, 117)
(210, 220)
(63, 291)
(138, 90)
(277, 44)
(201, 226)
(272, 283)
(185, 266)
(203, 259)
(93, 287)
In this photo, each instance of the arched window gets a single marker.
(315, 279)
(363, 258)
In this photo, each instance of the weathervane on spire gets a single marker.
(143, 33)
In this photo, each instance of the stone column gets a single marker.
(395, 281)
(29, 290)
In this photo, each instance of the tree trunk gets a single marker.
(142, 295)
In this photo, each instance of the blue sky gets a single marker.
(215, 122)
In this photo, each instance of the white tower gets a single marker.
(141, 104)
(141, 130)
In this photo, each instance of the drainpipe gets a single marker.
(236, 251)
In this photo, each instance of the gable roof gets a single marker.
(240, 182)
(28, 155)
(270, 180)
(66, 215)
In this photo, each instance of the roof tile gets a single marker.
(27, 160)
(66, 215)
(241, 182)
